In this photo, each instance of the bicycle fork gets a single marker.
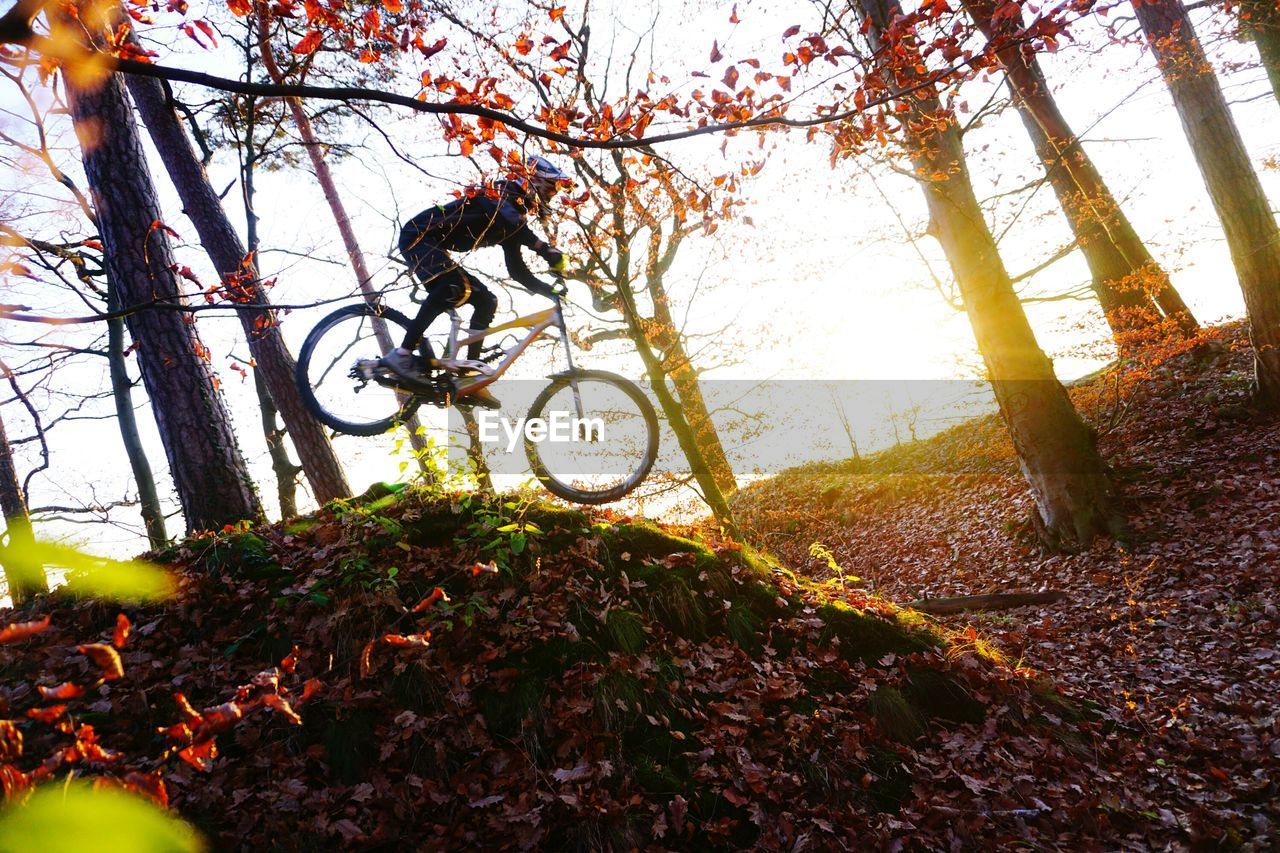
(568, 357)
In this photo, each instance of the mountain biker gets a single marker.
(482, 217)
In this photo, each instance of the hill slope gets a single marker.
(410, 670)
(1176, 637)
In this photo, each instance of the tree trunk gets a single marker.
(475, 451)
(677, 365)
(122, 395)
(204, 458)
(671, 408)
(286, 472)
(24, 577)
(1073, 493)
(239, 273)
(1242, 207)
(1126, 278)
(1261, 20)
(339, 211)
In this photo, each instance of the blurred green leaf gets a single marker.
(75, 817)
(99, 577)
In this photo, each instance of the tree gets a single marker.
(645, 220)
(1125, 277)
(1056, 451)
(24, 578)
(324, 176)
(208, 470)
(1260, 20)
(240, 283)
(1237, 195)
(122, 395)
(85, 281)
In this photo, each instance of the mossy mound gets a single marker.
(588, 681)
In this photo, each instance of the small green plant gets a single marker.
(500, 528)
(821, 552)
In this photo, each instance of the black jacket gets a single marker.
(493, 216)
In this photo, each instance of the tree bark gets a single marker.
(208, 471)
(1127, 280)
(991, 601)
(333, 198)
(239, 272)
(677, 365)
(286, 472)
(24, 578)
(122, 395)
(1261, 20)
(1237, 195)
(1056, 451)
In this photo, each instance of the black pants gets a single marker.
(448, 286)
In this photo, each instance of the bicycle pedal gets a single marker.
(366, 368)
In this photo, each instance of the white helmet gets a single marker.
(545, 178)
(542, 169)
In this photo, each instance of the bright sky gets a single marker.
(823, 285)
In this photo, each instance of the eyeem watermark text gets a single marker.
(557, 427)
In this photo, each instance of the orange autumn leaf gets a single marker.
(190, 715)
(105, 658)
(17, 631)
(309, 42)
(280, 705)
(66, 690)
(240, 8)
(150, 785)
(436, 595)
(290, 663)
(123, 629)
(405, 641)
(47, 715)
(556, 12)
(10, 741)
(219, 719)
(311, 688)
(200, 755)
(393, 6)
(366, 658)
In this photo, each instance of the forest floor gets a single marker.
(1177, 637)
(418, 670)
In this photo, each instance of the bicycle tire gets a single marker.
(302, 374)
(568, 492)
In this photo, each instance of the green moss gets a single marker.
(890, 783)
(299, 526)
(658, 778)
(349, 743)
(624, 630)
(938, 695)
(616, 696)
(549, 517)
(642, 540)
(676, 606)
(868, 638)
(743, 624)
(242, 553)
(894, 714)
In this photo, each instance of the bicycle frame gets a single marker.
(537, 324)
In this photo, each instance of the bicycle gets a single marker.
(346, 389)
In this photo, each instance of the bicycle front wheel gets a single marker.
(329, 378)
(600, 437)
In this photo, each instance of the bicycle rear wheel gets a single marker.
(330, 381)
(602, 437)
